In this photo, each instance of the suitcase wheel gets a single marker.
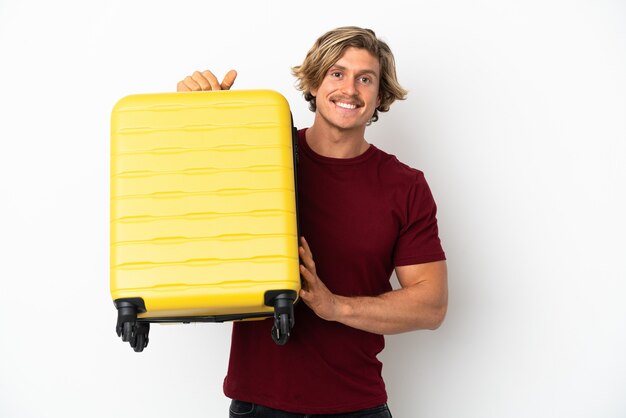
(141, 336)
(136, 334)
(283, 317)
(127, 331)
(128, 327)
(281, 329)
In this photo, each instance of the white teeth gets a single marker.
(346, 105)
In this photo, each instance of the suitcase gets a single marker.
(203, 210)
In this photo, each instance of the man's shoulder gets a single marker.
(392, 166)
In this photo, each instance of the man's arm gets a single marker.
(421, 303)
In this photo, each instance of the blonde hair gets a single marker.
(330, 47)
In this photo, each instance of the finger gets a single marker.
(307, 259)
(212, 80)
(229, 79)
(307, 275)
(306, 295)
(305, 244)
(310, 281)
(190, 84)
(306, 290)
(201, 80)
(181, 86)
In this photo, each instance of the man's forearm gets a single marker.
(398, 311)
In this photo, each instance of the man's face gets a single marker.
(348, 94)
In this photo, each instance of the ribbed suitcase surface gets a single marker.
(203, 206)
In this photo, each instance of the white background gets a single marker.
(516, 113)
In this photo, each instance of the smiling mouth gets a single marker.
(345, 105)
(346, 102)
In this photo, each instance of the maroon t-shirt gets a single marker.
(361, 217)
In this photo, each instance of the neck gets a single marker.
(336, 143)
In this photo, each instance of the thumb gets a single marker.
(229, 79)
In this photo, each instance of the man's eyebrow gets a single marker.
(365, 71)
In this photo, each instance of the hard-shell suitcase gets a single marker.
(203, 210)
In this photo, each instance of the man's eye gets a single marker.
(335, 74)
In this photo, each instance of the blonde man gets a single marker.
(363, 214)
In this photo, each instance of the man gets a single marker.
(363, 214)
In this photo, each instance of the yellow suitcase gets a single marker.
(203, 210)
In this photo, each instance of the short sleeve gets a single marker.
(418, 241)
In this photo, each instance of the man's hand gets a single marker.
(205, 81)
(314, 292)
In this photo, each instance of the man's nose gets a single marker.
(349, 86)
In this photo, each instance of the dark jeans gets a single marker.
(239, 409)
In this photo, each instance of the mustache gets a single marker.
(350, 99)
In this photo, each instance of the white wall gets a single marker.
(516, 113)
